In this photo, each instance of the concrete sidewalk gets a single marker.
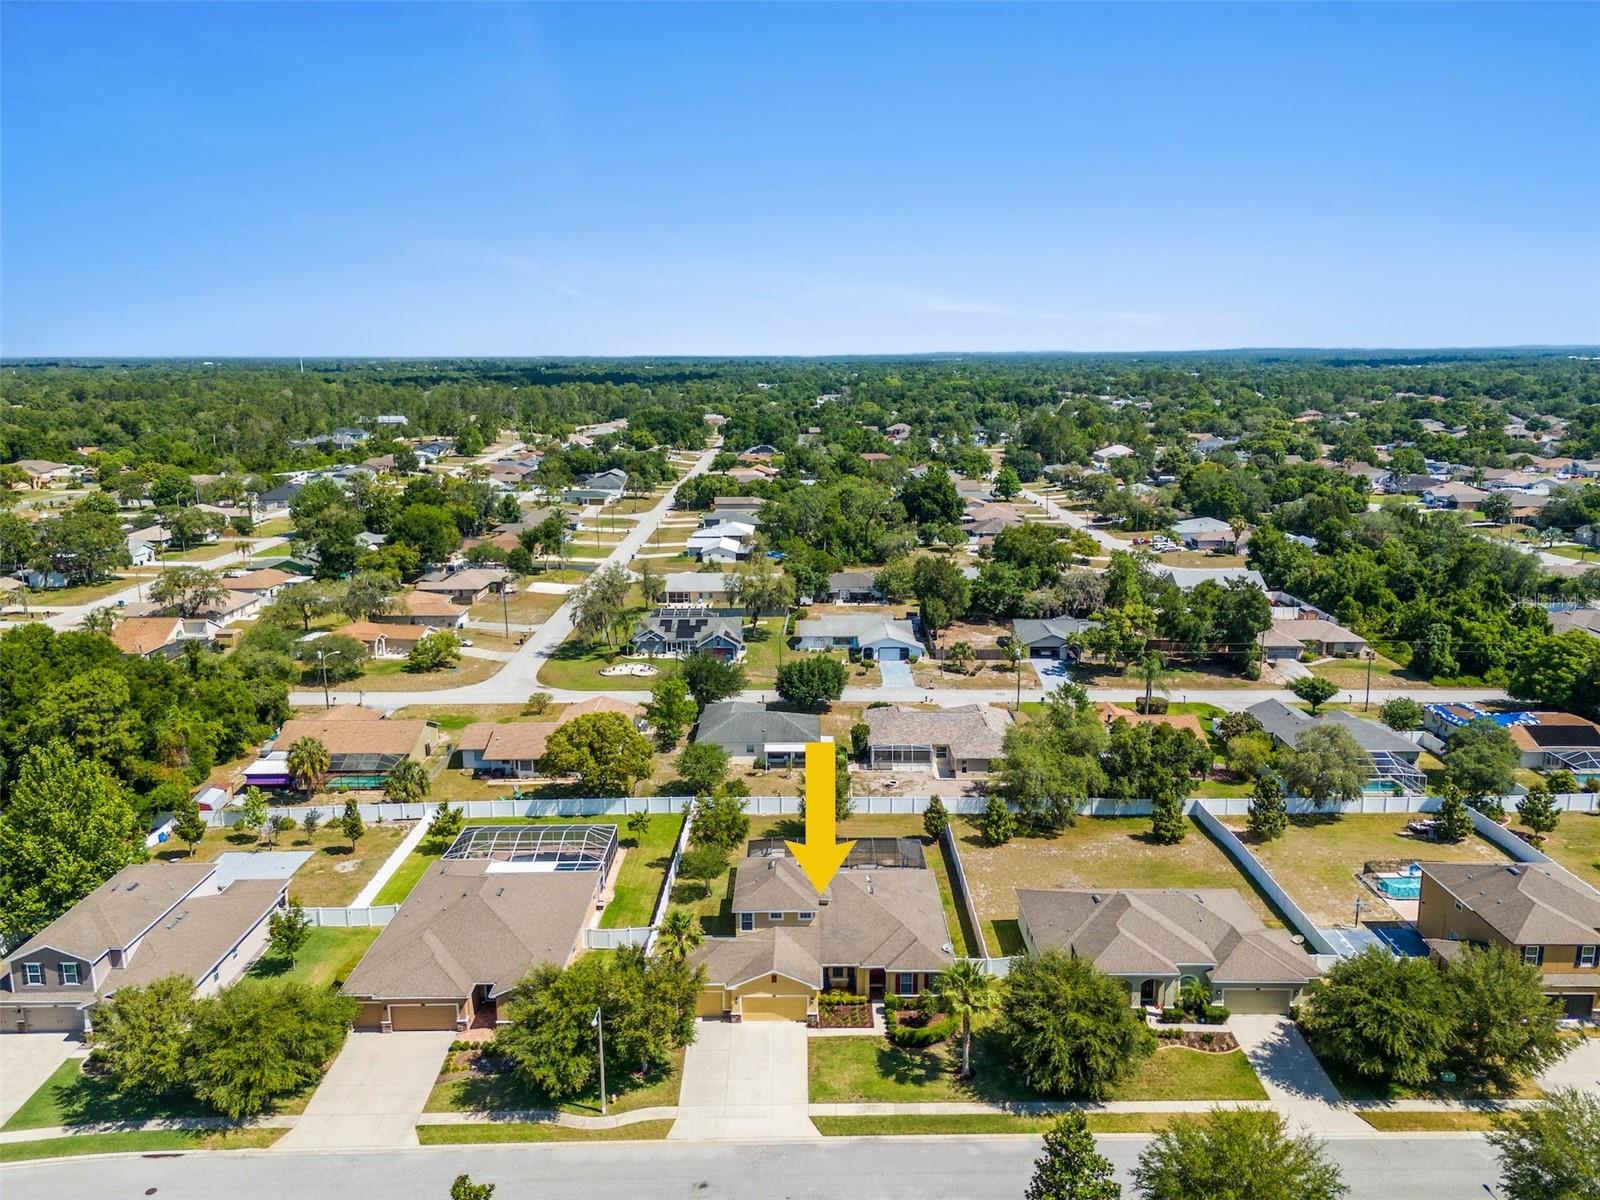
(373, 1093)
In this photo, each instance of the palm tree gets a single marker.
(1153, 670)
(408, 781)
(678, 936)
(308, 763)
(966, 991)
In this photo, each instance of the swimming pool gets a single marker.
(1400, 887)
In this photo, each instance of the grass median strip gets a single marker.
(140, 1141)
(981, 1124)
(1427, 1122)
(538, 1131)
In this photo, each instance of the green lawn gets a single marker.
(1319, 856)
(327, 958)
(469, 1091)
(529, 1131)
(1575, 844)
(140, 1141)
(639, 879)
(72, 1097)
(69, 597)
(983, 1124)
(390, 675)
(577, 663)
(870, 1070)
(1426, 1122)
(1097, 852)
(332, 876)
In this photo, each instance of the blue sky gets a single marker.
(227, 179)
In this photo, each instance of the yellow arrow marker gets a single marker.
(819, 856)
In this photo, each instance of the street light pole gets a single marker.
(1371, 654)
(505, 615)
(322, 666)
(600, 1029)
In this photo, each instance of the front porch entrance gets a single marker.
(875, 984)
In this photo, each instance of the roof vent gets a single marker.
(133, 886)
(499, 891)
(1513, 871)
(1094, 898)
(870, 892)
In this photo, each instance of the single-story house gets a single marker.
(731, 515)
(265, 582)
(761, 453)
(1542, 913)
(362, 747)
(696, 589)
(985, 520)
(730, 506)
(1189, 578)
(1394, 758)
(1410, 485)
(467, 586)
(877, 930)
(1585, 620)
(853, 587)
(436, 610)
(385, 639)
(950, 742)
(749, 730)
(1545, 741)
(1327, 638)
(1049, 637)
(898, 432)
(235, 606)
(1462, 496)
(140, 553)
(147, 921)
(512, 750)
(1109, 454)
(603, 487)
(870, 636)
(278, 499)
(1155, 939)
(684, 631)
(162, 637)
(1204, 533)
(502, 900)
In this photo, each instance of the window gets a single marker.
(33, 974)
(747, 922)
(806, 916)
(777, 916)
(905, 983)
(1533, 955)
(838, 972)
(1586, 955)
(69, 974)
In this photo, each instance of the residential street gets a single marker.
(1441, 1167)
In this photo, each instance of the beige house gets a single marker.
(513, 749)
(950, 742)
(362, 746)
(385, 640)
(147, 921)
(502, 900)
(426, 608)
(1153, 939)
(878, 929)
(1541, 912)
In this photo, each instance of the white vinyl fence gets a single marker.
(349, 918)
(1258, 873)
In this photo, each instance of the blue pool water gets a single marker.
(1407, 887)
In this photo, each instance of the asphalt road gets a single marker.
(1448, 1167)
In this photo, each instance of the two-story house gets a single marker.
(146, 922)
(1545, 914)
(878, 929)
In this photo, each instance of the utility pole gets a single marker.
(600, 1028)
(505, 615)
(322, 666)
(1367, 704)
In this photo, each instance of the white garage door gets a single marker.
(1256, 1000)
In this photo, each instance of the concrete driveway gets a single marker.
(26, 1061)
(745, 1082)
(1580, 1069)
(373, 1093)
(1291, 1074)
(896, 673)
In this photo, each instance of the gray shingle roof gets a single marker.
(865, 629)
(119, 910)
(1032, 630)
(739, 723)
(1287, 724)
(1525, 903)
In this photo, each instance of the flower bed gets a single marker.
(842, 1010)
(1194, 1039)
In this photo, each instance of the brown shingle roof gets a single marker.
(431, 604)
(1160, 931)
(353, 737)
(970, 730)
(260, 580)
(143, 635)
(465, 924)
